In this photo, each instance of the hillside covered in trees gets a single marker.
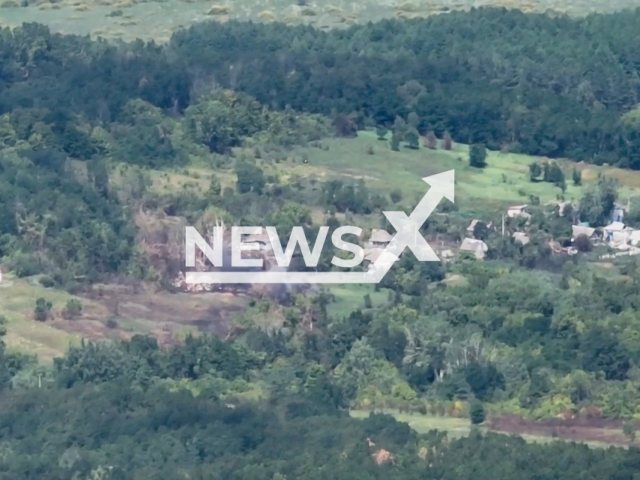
(89, 129)
(531, 83)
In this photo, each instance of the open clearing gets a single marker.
(109, 312)
(460, 427)
(504, 181)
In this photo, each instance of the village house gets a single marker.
(521, 237)
(472, 226)
(615, 232)
(577, 230)
(379, 238)
(477, 247)
(517, 211)
(262, 239)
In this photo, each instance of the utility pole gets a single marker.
(503, 224)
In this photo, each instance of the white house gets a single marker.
(518, 211)
(477, 247)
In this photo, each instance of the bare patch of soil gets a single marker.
(576, 429)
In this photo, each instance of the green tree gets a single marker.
(477, 413)
(73, 309)
(395, 142)
(42, 309)
(629, 431)
(396, 196)
(577, 177)
(412, 137)
(382, 133)
(214, 187)
(478, 156)
(535, 171)
(250, 178)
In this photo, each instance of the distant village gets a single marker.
(620, 238)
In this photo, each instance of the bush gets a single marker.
(478, 156)
(477, 414)
(47, 282)
(396, 196)
(73, 309)
(42, 310)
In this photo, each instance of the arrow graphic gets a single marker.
(407, 235)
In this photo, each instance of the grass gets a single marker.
(349, 298)
(455, 427)
(158, 19)
(504, 181)
(459, 427)
(17, 300)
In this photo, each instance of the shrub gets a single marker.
(73, 309)
(477, 413)
(42, 310)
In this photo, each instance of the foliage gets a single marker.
(478, 156)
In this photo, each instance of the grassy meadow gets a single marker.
(461, 427)
(505, 180)
(131, 19)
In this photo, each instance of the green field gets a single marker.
(17, 299)
(158, 19)
(503, 182)
(458, 427)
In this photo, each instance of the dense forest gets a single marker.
(530, 83)
(133, 411)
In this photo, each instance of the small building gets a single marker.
(614, 229)
(372, 255)
(634, 237)
(380, 238)
(477, 247)
(446, 255)
(521, 237)
(517, 211)
(577, 230)
(262, 239)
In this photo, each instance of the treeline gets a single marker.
(528, 83)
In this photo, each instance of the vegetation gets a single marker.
(94, 137)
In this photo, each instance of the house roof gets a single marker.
(472, 225)
(477, 247)
(380, 236)
(578, 230)
(615, 227)
(521, 237)
(258, 238)
(517, 211)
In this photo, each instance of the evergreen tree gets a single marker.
(577, 177)
(447, 141)
(477, 413)
(412, 137)
(395, 142)
(535, 172)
